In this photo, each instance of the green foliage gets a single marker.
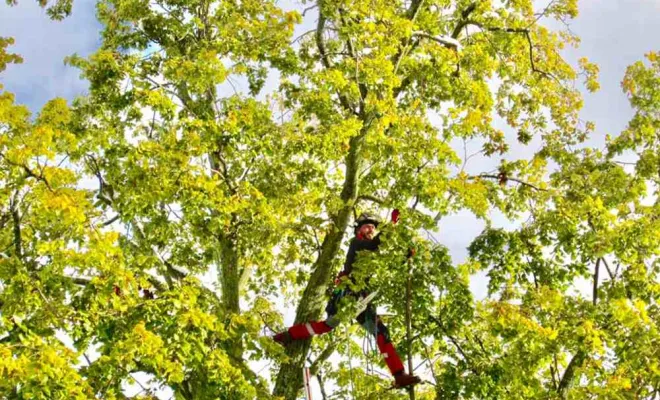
(57, 11)
(156, 224)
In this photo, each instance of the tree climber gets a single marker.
(364, 240)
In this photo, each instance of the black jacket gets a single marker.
(356, 246)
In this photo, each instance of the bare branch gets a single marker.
(496, 177)
(542, 13)
(324, 396)
(428, 358)
(446, 41)
(111, 220)
(553, 371)
(309, 9)
(458, 346)
(302, 35)
(609, 271)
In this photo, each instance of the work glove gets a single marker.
(395, 215)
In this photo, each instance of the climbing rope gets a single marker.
(369, 342)
(350, 363)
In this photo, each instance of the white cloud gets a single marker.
(44, 44)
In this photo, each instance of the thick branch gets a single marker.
(464, 20)
(595, 292)
(320, 44)
(569, 374)
(446, 41)
(325, 60)
(18, 240)
(104, 188)
(414, 8)
(218, 160)
(325, 354)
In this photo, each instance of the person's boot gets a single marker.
(402, 380)
(283, 338)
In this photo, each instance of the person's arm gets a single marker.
(348, 263)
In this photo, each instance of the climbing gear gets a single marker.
(395, 215)
(303, 331)
(392, 359)
(283, 338)
(404, 380)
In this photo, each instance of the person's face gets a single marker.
(367, 231)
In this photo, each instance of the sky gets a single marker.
(614, 33)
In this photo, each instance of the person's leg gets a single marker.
(370, 321)
(309, 329)
(373, 324)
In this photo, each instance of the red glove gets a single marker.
(395, 215)
(338, 278)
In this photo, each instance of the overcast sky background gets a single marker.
(615, 34)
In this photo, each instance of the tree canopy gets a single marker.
(159, 225)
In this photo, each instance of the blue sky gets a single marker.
(44, 44)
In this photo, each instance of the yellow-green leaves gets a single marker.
(7, 58)
(590, 71)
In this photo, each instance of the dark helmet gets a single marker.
(366, 218)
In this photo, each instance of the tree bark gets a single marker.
(289, 380)
(569, 375)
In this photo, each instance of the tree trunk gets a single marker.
(229, 282)
(289, 380)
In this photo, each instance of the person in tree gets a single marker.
(365, 239)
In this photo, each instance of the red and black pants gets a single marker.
(368, 319)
